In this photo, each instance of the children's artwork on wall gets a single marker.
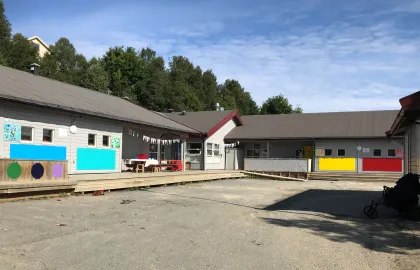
(320, 152)
(12, 132)
(115, 142)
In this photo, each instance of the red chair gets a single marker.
(142, 156)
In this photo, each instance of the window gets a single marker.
(216, 149)
(105, 141)
(256, 151)
(26, 134)
(91, 139)
(299, 153)
(209, 149)
(153, 151)
(47, 135)
(377, 152)
(391, 153)
(328, 152)
(341, 152)
(194, 148)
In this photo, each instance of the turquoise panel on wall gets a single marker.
(93, 159)
(37, 152)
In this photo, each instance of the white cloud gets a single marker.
(362, 63)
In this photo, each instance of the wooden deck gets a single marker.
(86, 183)
(110, 181)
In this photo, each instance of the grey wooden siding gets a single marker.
(39, 118)
(350, 147)
(286, 149)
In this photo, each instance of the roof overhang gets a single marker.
(407, 103)
(232, 116)
(96, 114)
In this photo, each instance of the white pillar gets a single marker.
(183, 150)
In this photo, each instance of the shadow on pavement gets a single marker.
(342, 220)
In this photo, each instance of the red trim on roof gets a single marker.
(407, 103)
(233, 115)
(410, 101)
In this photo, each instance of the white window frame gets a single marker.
(94, 140)
(52, 135)
(387, 153)
(32, 135)
(209, 149)
(216, 147)
(109, 141)
(344, 152)
(189, 148)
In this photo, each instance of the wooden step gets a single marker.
(110, 184)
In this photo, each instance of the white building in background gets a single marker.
(41, 46)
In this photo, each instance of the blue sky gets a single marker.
(326, 55)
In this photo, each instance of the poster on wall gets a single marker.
(320, 152)
(11, 132)
(115, 142)
(399, 153)
(62, 132)
(366, 150)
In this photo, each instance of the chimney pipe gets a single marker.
(34, 68)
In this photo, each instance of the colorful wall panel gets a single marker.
(32, 170)
(37, 152)
(382, 165)
(94, 159)
(337, 164)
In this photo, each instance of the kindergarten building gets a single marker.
(51, 129)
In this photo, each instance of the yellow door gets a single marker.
(308, 152)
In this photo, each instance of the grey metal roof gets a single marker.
(202, 121)
(26, 87)
(367, 124)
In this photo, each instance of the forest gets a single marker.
(138, 75)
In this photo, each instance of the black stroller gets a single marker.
(403, 198)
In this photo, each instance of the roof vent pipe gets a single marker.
(222, 109)
(217, 106)
(34, 68)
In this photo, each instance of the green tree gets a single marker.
(22, 53)
(152, 90)
(279, 105)
(5, 33)
(209, 97)
(96, 78)
(63, 63)
(233, 96)
(182, 95)
(125, 70)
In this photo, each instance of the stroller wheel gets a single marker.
(370, 211)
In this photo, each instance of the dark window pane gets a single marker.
(328, 152)
(341, 152)
(105, 140)
(26, 134)
(91, 139)
(377, 152)
(47, 135)
(391, 152)
(249, 153)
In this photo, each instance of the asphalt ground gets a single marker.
(229, 224)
